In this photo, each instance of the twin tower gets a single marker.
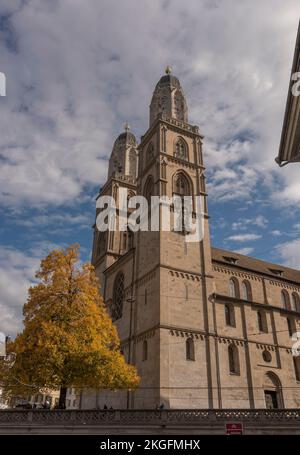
(156, 286)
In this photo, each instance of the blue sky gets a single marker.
(76, 71)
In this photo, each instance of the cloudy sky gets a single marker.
(77, 70)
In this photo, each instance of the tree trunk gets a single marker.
(62, 398)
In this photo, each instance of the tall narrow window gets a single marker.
(118, 297)
(246, 290)
(297, 367)
(233, 288)
(190, 349)
(150, 153)
(146, 296)
(186, 292)
(285, 299)
(233, 359)
(149, 189)
(229, 315)
(295, 302)
(262, 322)
(182, 188)
(145, 350)
(291, 326)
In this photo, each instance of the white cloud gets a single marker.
(77, 71)
(16, 274)
(245, 251)
(244, 237)
(276, 233)
(259, 221)
(290, 253)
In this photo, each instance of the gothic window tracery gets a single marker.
(118, 297)
(181, 149)
(181, 185)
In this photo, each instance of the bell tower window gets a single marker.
(181, 149)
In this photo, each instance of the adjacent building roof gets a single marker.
(289, 150)
(251, 264)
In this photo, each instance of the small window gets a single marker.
(186, 292)
(230, 259)
(291, 326)
(146, 296)
(145, 350)
(190, 349)
(267, 356)
(262, 321)
(285, 299)
(233, 359)
(276, 271)
(229, 315)
(246, 291)
(297, 367)
(233, 288)
(295, 302)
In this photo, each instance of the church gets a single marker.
(206, 328)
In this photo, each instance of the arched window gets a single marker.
(262, 322)
(233, 359)
(246, 291)
(233, 288)
(229, 315)
(150, 153)
(285, 301)
(145, 350)
(272, 391)
(181, 149)
(190, 349)
(149, 189)
(181, 186)
(291, 326)
(295, 302)
(118, 297)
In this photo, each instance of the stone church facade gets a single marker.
(205, 327)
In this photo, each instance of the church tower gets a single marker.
(157, 286)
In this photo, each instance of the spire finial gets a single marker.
(126, 126)
(168, 70)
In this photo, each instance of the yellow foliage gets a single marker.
(68, 337)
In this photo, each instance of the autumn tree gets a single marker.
(68, 337)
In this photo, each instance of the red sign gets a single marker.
(234, 428)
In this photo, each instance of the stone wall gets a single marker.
(198, 422)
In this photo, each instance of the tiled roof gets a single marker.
(255, 265)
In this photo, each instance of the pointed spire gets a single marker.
(168, 70)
